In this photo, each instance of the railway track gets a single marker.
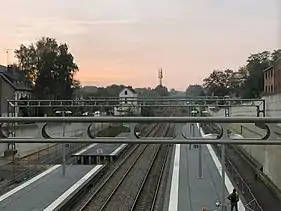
(119, 188)
(146, 185)
(125, 186)
(122, 195)
(148, 192)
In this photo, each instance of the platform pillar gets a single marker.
(200, 167)
(63, 151)
(223, 177)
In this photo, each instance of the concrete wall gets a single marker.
(273, 105)
(268, 156)
(258, 152)
(237, 111)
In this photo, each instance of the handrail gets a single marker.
(145, 119)
(42, 136)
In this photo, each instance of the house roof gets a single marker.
(269, 68)
(131, 89)
(13, 77)
(274, 64)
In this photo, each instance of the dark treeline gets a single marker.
(88, 92)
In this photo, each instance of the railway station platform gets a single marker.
(49, 190)
(100, 153)
(185, 191)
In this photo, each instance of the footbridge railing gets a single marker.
(180, 137)
(223, 137)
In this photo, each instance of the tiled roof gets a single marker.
(132, 90)
(15, 78)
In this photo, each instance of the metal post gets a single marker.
(193, 130)
(63, 149)
(190, 128)
(200, 166)
(223, 171)
(223, 177)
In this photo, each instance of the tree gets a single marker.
(195, 90)
(226, 82)
(256, 64)
(50, 67)
(216, 83)
(162, 90)
(247, 82)
(276, 54)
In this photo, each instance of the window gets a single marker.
(126, 92)
(271, 88)
(266, 88)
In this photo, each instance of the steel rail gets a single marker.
(110, 176)
(153, 133)
(160, 174)
(160, 179)
(123, 179)
(91, 197)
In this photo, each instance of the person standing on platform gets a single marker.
(234, 198)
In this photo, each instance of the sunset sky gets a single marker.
(125, 41)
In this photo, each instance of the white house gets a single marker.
(128, 102)
(128, 96)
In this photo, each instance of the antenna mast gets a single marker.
(7, 52)
(160, 76)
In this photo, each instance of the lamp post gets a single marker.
(63, 145)
(223, 171)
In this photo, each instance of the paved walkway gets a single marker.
(185, 191)
(264, 195)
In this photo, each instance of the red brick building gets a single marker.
(272, 78)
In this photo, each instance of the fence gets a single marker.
(252, 204)
(21, 169)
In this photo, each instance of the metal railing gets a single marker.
(43, 137)
(179, 137)
(252, 203)
(144, 102)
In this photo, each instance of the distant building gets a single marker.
(128, 96)
(272, 78)
(13, 86)
(128, 102)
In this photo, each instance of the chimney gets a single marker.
(10, 69)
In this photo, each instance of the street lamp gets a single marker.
(63, 146)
